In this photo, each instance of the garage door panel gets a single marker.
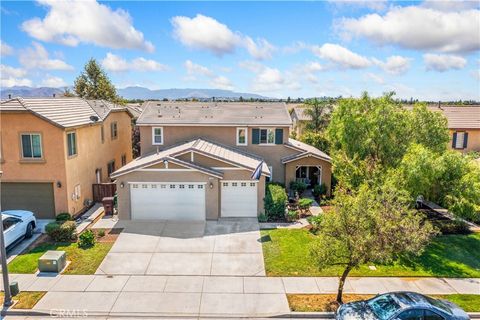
(239, 199)
(35, 197)
(153, 201)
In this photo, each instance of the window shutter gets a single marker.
(255, 136)
(278, 136)
(454, 140)
(465, 140)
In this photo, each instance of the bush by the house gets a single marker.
(292, 215)
(64, 216)
(86, 239)
(298, 186)
(262, 217)
(319, 190)
(62, 232)
(304, 205)
(451, 227)
(101, 233)
(275, 201)
(315, 222)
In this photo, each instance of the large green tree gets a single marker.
(371, 225)
(93, 83)
(319, 112)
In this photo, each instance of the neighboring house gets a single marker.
(209, 160)
(54, 149)
(463, 125)
(299, 119)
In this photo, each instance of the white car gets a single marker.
(17, 224)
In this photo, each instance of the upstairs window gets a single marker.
(460, 140)
(31, 146)
(241, 136)
(72, 143)
(113, 130)
(267, 136)
(157, 136)
(102, 134)
(124, 159)
(111, 167)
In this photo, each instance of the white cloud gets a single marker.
(395, 65)
(222, 82)
(5, 49)
(313, 67)
(53, 82)
(216, 81)
(7, 71)
(443, 62)
(375, 77)
(116, 63)
(75, 21)
(10, 82)
(450, 5)
(269, 79)
(416, 27)
(206, 33)
(197, 69)
(36, 57)
(341, 56)
(369, 4)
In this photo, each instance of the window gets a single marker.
(182, 186)
(102, 134)
(157, 136)
(113, 130)
(10, 222)
(459, 141)
(411, 315)
(242, 136)
(72, 143)
(111, 167)
(200, 186)
(430, 315)
(172, 186)
(267, 136)
(270, 177)
(77, 192)
(31, 146)
(124, 159)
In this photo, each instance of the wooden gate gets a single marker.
(102, 190)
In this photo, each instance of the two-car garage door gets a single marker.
(167, 201)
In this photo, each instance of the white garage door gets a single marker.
(239, 199)
(167, 201)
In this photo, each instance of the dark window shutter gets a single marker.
(278, 136)
(465, 140)
(454, 140)
(255, 136)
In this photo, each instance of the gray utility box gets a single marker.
(52, 261)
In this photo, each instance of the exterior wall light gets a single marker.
(59, 184)
(122, 184)
(211, 185)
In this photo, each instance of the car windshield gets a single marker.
(383, 306)
(439, 304)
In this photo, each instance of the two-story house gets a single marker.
(53, 149)
(209, 160)
(299, 119)
(463, 125)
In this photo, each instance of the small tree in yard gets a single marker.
(372, 225)
(319, 112)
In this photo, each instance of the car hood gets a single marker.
(22, 214)
(355, 311)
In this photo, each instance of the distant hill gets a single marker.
(133, 93)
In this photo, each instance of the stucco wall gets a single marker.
(290, 170)
(50, 169)
(473, 140)
(92, 154)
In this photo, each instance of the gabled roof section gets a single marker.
(201, 146)
(63, 112)
(300, 113)
(458, 117)
(305, 150)
(214, 113)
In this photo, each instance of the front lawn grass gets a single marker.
(25, 299)
(327, 302)
(83, 261)
(287, 253)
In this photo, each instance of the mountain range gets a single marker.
(133, 93)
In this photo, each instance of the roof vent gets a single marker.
(94, 118)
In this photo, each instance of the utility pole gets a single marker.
(7, 301)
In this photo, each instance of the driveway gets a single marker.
(228, 247)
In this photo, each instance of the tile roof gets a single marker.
(300, 112)
(305, 151)
(214, 113)
(63, 112)
(201, 146)
(461, 117)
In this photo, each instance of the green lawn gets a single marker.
(286, 253)
(83, 261)
(25, 299)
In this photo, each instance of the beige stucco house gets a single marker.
(209, 160)
(463, 125)
(54, 149)
(299, 119)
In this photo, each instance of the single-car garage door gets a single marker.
(239, 199)
(167, 201)
(35, 197)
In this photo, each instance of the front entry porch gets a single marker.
(311, 175)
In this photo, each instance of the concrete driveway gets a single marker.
(229, 247)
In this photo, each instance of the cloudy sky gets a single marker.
(426, 50)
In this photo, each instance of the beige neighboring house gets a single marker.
(54, 149)
(210, 160)
(299, 119)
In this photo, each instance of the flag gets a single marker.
(258, 172)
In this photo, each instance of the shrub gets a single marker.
(451, 227)
(62, 232)
(319, 190)
(262, 217)
(292, 215)
(304, 204)
(64, 216)
(275, 201)
(101, 233)
(315, 222)
(298, 186)
(86, 239)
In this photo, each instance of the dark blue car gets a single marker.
(401, 306)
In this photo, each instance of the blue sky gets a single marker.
(426, 50)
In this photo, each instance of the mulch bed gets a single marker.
(111, 235)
